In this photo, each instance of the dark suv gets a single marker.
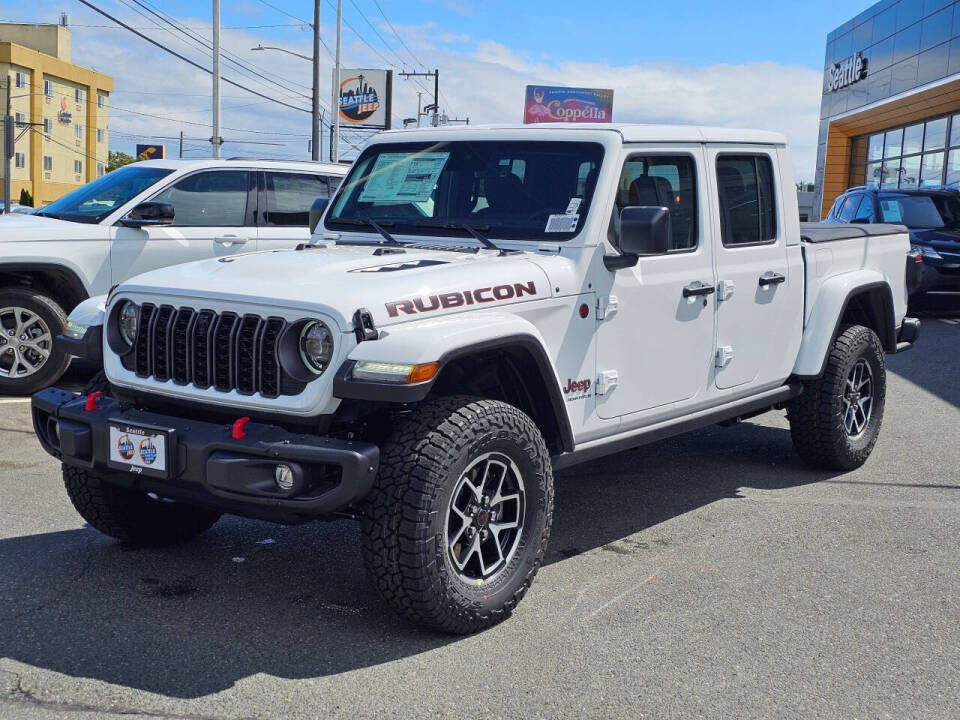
(933, 217)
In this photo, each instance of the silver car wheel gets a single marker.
(25, 342)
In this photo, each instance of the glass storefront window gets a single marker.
(910, 172)
(890, 173)
(893, 143)
(955, 131)
(912, 139)
(874, 170)
(953, 167)
(936, 135)
(932, 171)
(875, 148)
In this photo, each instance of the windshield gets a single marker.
(94, 201)
(921, 211)
(506, 190)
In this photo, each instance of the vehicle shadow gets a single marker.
(931, 364)
(293, 602)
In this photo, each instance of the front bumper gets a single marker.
(206, 466)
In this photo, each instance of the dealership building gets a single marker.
(890, 110)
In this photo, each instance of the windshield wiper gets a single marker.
(482, 239)
(367, 222)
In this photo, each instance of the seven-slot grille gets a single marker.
(225, 351)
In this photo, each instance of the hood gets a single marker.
(943, 238)
(17, 227)
(337, 280)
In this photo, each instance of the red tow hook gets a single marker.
(91, 403)
(238, 432)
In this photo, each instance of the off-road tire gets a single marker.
(403, 529)
(816, 416)
(130, 516)
(54, 317)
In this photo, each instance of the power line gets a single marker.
(188, 60)
(377, 32)
(159, 27)
(396, 35)
(284, 12)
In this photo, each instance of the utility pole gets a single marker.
(435, 107)
(335, 101)
(181, 144)
(315, 130)
(216, 140)
(7, 150)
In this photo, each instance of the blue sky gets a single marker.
(739, 64)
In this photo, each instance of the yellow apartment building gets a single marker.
(62, 111)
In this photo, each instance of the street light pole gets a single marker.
(335, 104)
(216, 139)
(315, 131)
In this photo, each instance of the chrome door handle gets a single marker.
(230, 240)
(698, 288)
(771, 278)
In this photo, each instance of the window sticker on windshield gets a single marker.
(403, 177)
(562, 223)
(573, 206)
(891, 211)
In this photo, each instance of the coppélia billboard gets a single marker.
(365, 97)
(566, 104)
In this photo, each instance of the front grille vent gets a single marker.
(225, 351)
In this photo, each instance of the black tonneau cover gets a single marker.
(832, 232)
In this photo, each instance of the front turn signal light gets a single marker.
(391, 372)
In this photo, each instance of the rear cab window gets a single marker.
(747, 199)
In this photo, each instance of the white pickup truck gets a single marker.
(141, 217)
(479, 308)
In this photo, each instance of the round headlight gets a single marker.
(127, 321)
(316, 346)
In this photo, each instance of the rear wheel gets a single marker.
(133, 517)
(456, 526)
(29, 324)
(836, 421)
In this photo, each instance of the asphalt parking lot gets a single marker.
(712, 575)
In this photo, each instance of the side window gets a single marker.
(746, 191)
(848, 208)
(289, 197)
(209, 199)
(865, 211)
(668, 181)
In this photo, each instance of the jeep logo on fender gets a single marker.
(577, 388)
(430, 303)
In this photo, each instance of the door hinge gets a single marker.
(724, 356)
(607, 307)
(725, 289)
(607, 381)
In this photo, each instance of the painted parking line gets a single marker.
(11, 401)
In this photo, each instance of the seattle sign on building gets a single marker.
(847, 72)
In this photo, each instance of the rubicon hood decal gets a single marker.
(430, 303)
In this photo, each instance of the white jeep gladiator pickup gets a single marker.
(479, 308)
(141, 217)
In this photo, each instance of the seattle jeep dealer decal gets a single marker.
(430, 303)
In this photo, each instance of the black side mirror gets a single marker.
(149, 214)
(643, 231)
(316, 212)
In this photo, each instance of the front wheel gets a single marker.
(29, 357)
(456, 526)
(835, 422)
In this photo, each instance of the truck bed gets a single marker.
(832, 232)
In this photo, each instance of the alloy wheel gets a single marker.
(858, 398)
(25, 342)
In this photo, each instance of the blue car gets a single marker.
(933, 218)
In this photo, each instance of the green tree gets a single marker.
(26, 198)
(118, 160)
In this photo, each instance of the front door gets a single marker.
(658, 340)
(759, 291)
(213, 217)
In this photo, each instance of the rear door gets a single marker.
(759, 300)
(213, 217)
(284, 218)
